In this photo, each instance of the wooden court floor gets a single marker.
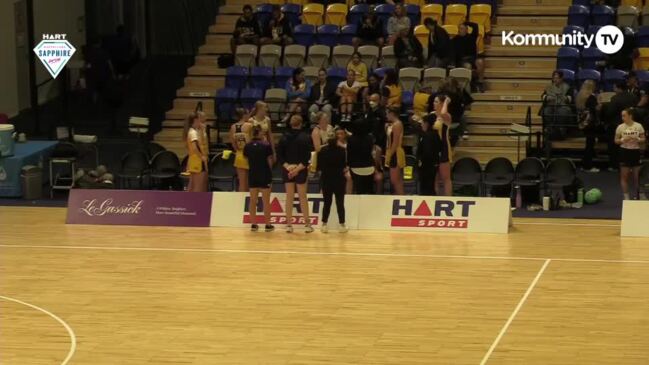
(551, 292)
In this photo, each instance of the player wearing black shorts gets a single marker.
(260, 159)
(629, 135)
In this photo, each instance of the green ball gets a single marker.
(592, 196)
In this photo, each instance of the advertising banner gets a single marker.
(139, 208)
(634, 218)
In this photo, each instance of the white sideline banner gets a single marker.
(230, 209)
(431, 214)
(634, 218)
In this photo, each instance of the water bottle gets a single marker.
(519, 197)
(580, 196)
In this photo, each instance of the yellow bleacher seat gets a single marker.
(336, 14)
(312, 14)
(434, 11)
(421, 3)
(636, 3)
(642, 62)
(451, 30)
(455, 14)
(481, 14)
(421, 32)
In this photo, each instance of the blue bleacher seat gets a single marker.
(568, 29)
(236, 77)
(407, 100)
(611, 77)
(642, 37)
(261, 77)
(347, 33)
(568, 58)
(328, 35)
(380, 72)
(355, 15)
(579, 15)
(282, 75)
(568, 76)
(304, 34)
(590, 57)
(292, 13)
(602, 15)
(384, 12)
(587, 74)
(263, 13)
(593, 29)
(249, 97)
(337, 74)
(643, 77)
(225, 101)
(414, 13)
(581, 2)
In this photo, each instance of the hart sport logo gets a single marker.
(278, 215)
(54, 51)
(444, 213)
(609, 39)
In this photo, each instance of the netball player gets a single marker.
(197, 151)
(240, 135)
(441, 126)
(395, 157)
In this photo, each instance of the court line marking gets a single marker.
(566, 224)
(319, 253)
(73, 337)
(515, 312)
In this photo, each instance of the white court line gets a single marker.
(73, 337)
(514, 313)
(566, 224)
(319, 253)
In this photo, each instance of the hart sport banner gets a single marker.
(139, 208)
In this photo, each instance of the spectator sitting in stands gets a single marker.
(373, 87)
(623, 59)
(370, 31)
(278, 30)
(396, 23)
(298, 90)
(587, 114)
(556, 109)
(391, 90)
(408, 50)
(465, 46)
(359, 67)
(438, 44)
(246, 30)
(348, 93)
(323, 96)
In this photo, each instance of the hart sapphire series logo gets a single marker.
(277, 214)
(444, 214)
(54, 51)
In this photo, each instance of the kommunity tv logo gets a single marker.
(609, 39)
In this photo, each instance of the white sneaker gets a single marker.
(593, 169)
(324, 228)
(289, 229)
(308, 229)
(342, 228)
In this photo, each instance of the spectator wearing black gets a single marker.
(429, 147)
(461, 100)
(123, 51)
(557, 110)
(634, 87)
(359, 155)
(332, 166)
(246, 30)
(465, 46)
(375, 117)
(370, 31)
(408, 50)
(323, 96)
(622, 100)
(279, 29)
(587, 109)
(623, 59)
(98, 69)
(373, 87)
(439, 44)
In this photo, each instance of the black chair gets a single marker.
(135, 166)
(165, 170)
(62, 166)
(153, 148)
(560, 173)
(222, 170)
(467, 172)
(529, 172)
(643, 181)
(499, 173)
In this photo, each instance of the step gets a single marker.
(505, 119)
(196, 92)
(504, 107)
(231, 9)
(540, 21)
(507, 63)
(501, 95)
(485, 154)
(536, 3)
(190, 103)
(496, 129)
(516, 85)
(206, 60)
(211, 70)
(533, 10)
(227, 19)
(518, 51)
(176, 124)
(218, 39)
(215, 49)
(488, 141)
(220, 28)
(183, 113)
(518, 74)
(215, 82)
(497, 29)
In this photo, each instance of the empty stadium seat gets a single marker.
(225, 101)
(569, 29)
(636, 3)
(388, 59)
(642, 61)
(407, 99)
(568, 76)
(337, 74)
(590, 57)
(481, 14)
(579, 15)
(341, 55)
(245, 55)
(452, 30)
(568, 58)
(312, 14)
(380, 72)
(270, 55)
(347, 34)
(409, 78)
(587, 74)
(414, 13)
(643, 77)
(369, 55)
(318, 56)
(327, 35)
(611, 77)
(421, 32)
(261, 77)
(434, 11)
(642, 37)
(263, 13)
(455, 14)
(593, 29)
(282, 75)
(644, 17)
(420, 3)
(275, 98)
(249, 97)
(311, 74)
(384, 11)
(433, 77)
(627, 16)
(304, 34)
(602, 15)
(292, 13)
(294, 55)
(236, 77)
(462, 75)
(336, 14)
(356, 13)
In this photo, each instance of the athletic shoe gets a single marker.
(254, 228)
(269, 228)
(592, 169)
(308, 229)
(324, 228)
(289, 229)
(342, 228)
